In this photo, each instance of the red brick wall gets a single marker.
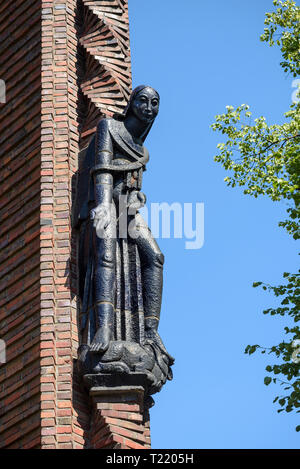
(52, 108)
(20, 159)
(71, 108)
(60, 137)
(120, 425)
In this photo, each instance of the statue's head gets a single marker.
(144, 104)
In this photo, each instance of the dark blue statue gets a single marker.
(120, 263)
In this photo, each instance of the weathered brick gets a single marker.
(40, 143)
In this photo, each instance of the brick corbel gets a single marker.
(120, 420)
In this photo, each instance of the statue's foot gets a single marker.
(101, 340)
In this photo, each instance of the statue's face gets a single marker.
(145, 105)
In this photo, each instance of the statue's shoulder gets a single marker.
(109, 122)
(104, 124)
(110, 125)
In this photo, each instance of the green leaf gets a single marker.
(267, 380)
(256, 284)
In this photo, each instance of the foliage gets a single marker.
(265, 160)
(286, 17)
(288, 351)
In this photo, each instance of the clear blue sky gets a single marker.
(202, 56)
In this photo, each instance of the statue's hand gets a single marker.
(136, 200)
(101, 215)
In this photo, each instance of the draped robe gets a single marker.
(127, 166)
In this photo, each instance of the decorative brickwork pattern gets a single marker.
(20, 173)
(119, 422)
(113, 428)
(106, 83)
